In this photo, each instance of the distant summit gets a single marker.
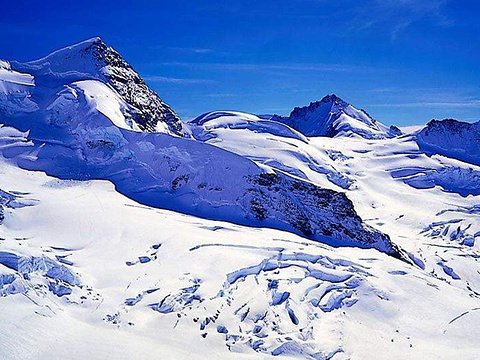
(452, 138)
(92, 59)
(333, 116)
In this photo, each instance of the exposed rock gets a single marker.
(314, 212)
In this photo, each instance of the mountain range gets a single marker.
(127, 232)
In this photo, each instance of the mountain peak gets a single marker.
(451, 138)
(93, 59)
(333, 116)
(86, 55)
(93, 41)
(332, 98)
(327, 102)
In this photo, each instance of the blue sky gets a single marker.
(404, 61)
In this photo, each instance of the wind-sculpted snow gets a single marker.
(332, 116)
(94, 60)
(464, 181)
(452, 138)
(56, 277)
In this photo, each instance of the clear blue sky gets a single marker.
(404, 61)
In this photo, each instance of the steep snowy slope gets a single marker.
(93, 60)
(332, 116)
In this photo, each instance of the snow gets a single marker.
(92, 62)
(105, 100)
(15, 88)
(14, 77)
(452, 138)
(332, 293)
(270, 144)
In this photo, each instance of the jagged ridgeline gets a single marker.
(93, 59)
(333, 116)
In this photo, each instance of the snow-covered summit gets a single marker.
(332, 117)
(452, 138)
(94, 60)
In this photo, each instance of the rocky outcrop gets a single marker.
(315, 212)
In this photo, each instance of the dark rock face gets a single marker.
(452, 138)
(325, 112)
(395, 131)
(329, 101)
(314, 212)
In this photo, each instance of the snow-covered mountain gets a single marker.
(79, 132)
(333, 116)
(452, 138)
(109, 83)
(125, 233)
